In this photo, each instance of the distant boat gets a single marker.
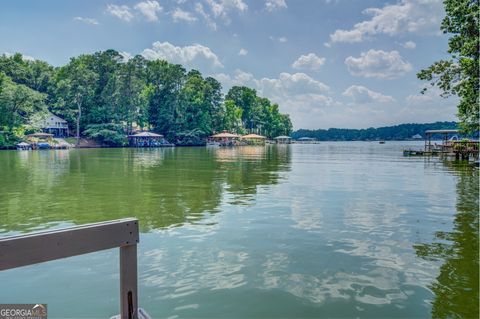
(381, 142)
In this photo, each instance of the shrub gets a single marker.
(108, 134)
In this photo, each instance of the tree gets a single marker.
(75, 88)
(167, 81)
(124, 92)
(459, 75)
(214, 99)
(233, 117)
(246, 99)
(17, 104)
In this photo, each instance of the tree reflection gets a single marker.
(246, 168)
(456, 287)
(161, 187)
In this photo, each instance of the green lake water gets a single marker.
(348, 229)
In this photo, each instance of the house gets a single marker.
(53, 124)
(417, 137)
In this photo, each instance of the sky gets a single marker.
(327, 63)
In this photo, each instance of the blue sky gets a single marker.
(328, 63)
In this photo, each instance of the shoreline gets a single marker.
(299, 143)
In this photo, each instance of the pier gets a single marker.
(451, 147)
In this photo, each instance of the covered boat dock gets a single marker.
(225, 139)
(283, 139)
(148, 139)
(254, 139)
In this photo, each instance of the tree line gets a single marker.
(105, 96)
(397, 132)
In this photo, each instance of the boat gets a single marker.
(212, 144)
(381, 142)
(43, 146)
(23, 146)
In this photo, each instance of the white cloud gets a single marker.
(221, 8)
(190, 56)
(181, 15)
(86, 20)
(122, 12)
(378, 64)
(297, 94)
(361, 94)
(243, 51)
(208, 20)
(149, 9)
(24, 56)
(296, 83)
(311, 105)
(433, 94)
(279, 39)
(272, 5)
(412, 16)
(287, 84)
(310, 62)
(409, 45)
(126, 56)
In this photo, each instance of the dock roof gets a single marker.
(225, 135)
(146, 134)
(442, 131)
(253, 136)
(40, 135)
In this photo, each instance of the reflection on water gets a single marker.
(457, 285)
(161, 187)
(324, 230)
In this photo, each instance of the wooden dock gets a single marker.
(459, 149)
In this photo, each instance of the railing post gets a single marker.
(128, 282)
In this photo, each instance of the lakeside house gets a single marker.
(254, 139)
(53, 124)
(417, 137)
(283, 139)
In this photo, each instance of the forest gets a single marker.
(106, 97)
(397, 132)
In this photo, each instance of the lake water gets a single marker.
(349, 229)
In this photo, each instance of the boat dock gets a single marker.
(451, 147)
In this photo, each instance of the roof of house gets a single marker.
(282, 137)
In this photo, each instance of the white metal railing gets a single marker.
(33, 248)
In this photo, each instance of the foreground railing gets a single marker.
(23, 250)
